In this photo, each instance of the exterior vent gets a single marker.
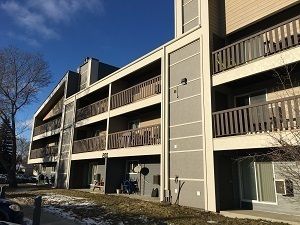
(284, 187)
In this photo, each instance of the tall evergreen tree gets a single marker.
(5, 147)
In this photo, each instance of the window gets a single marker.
(97, 133)
(251, 98)
(242, 101)
(248, 180)
(131, 165)
(134, 124)
(257, 181)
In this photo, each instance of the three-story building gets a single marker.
(184, 118)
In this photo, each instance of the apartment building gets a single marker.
(185, 117)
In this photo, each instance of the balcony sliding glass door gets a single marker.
(257, 181)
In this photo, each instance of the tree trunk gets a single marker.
(12, 181)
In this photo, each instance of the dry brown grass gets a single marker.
(115, 209)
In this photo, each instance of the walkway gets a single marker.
(48, 218)
(252, 214)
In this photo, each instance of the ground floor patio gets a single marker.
(139, 175)
(246, 181)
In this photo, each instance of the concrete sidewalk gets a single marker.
(48, 218)
(252, 214)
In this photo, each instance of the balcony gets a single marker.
(92, 110)
(89, 144)
(136, 93)
(136, 137)
(272, 116)
(44, 152)
(50, 126)
(267, 42)
(56, 110)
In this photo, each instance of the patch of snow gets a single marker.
(55, 204)
(66, 200)
(143, 218)
(27, 221)
(94, 221)
(62, 213)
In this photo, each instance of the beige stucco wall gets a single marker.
(216, 17)
(186, 15)
(240, 13)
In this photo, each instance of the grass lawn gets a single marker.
(91, 208)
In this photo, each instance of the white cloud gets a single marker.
(29, 20)
(30, 41)
(42, 17)
(63, 10)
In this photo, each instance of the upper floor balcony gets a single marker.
(89, 144)
(272, 116)
(47, 127)
(262, 44)
(137, 92)
(46, 152)
(92, 110)
(143, 136)
(130, 95)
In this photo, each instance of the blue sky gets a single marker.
(67, 31)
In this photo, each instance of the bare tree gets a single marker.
(22, 152)
(22, 76)
(5, 147)
(285, 152)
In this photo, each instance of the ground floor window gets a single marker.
(257, 181)
(95, 173)
(132, 166)
(53, 169)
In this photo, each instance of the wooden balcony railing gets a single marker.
(272, 116)
(50, 126)
(135, 137)
(135, 93)
(89, 144)
(92, 110)
(44, 152)
(275, 39)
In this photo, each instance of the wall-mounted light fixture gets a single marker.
(182, 82)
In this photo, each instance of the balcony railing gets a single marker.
(275, 39)
(135, 93)
(92, 110)
(135, 137)
(89, 144)
(272, 116)
(44, 152)
(50, 126)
